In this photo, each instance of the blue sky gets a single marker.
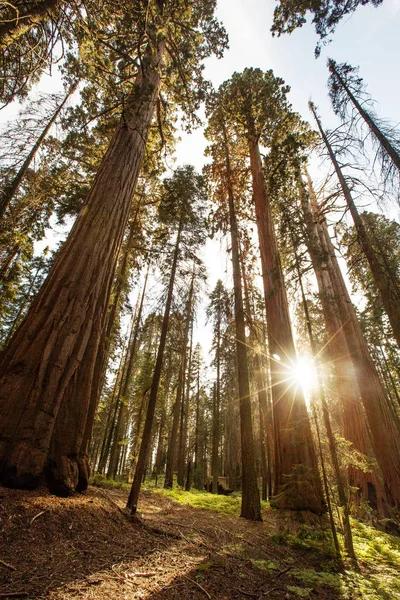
(368, 39)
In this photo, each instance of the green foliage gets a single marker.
(229, 505)
(299, 591)
(101, 481)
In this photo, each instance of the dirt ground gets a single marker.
(85, 547)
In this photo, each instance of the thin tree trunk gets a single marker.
(176, 413)
(11, 188)
(297, 484)
(251, 507)
(185, 392)
(59, 338)
(382, 139)
(123, 409)
(147, 432)
(388, 286)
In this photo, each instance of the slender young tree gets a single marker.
(388, 284)
(182, 210)
(178, 408)
(346, 87)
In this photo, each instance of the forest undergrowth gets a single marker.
(182, 545)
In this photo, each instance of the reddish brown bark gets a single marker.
(296, 481)
(388, 284)
(251, 507)
(62, 330)
(355, 428)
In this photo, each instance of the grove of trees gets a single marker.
(102, 370)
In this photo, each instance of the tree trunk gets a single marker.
(148, 425)
(382, 139)
(11, 188)
(297, 484)
(388, 286)
(251, 507)
(346, 379)
(331, 440)
(13, 28)
(185, 388)
(384, 428)
(59, 338)
(123, 409)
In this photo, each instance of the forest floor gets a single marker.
(85, 548)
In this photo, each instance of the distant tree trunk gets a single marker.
(216, 410)
(261, 389)
(185, 392)
(112, 414)
(15, 27)
(341, 487)
(297, 484)
(346, 379)
(382, 139)
(388, 284)
(59, 338)
(11, 188)
(198, 475)
(148, 425)
(123, 408)
(176, 413)
(251, 507)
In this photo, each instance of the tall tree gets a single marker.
(326, 14)
(182, 210)
(388, 283)
(57, 344)
(257, 108)
(345, 88)
(223, 172)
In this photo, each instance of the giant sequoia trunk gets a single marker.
(20, 22)
(56, 346)
(388, 284)
(296, 481)
(251, 507)
(384, 426)
(12, 187)
(347, 390)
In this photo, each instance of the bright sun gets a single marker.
(304, 374)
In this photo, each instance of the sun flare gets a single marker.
(304, 374)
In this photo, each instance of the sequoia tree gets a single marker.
(256, 105)
(56, 346)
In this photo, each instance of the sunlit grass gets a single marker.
(228, 505)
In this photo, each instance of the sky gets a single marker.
(368, 39)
